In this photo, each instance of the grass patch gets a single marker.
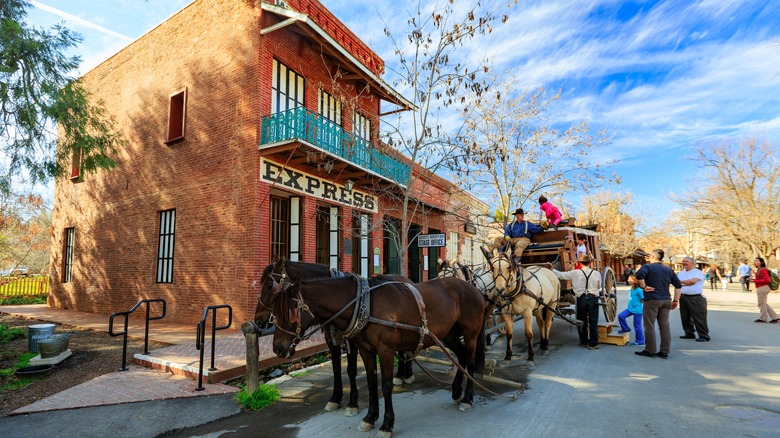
(9, 382)
(8, 334)
(264, 396)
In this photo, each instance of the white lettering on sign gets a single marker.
(301, 182)
(430, 240)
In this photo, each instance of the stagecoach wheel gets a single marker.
(609, 300)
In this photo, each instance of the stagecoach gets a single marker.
(559, 247)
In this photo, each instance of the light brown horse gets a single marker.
(523, 291)
(401, 317)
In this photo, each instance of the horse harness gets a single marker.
(361, 315)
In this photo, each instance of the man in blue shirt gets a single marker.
(518, 233)
(654, 278)
(744, 276)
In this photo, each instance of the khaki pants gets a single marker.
(518, 243)
(766, 310)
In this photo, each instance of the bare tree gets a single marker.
(514, 150)
(428, 70)
(617, 228)
(735, 198)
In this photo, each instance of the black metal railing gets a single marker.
(146, 330)
(201, 337)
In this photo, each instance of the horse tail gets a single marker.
(479, 355)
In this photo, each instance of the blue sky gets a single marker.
(662, 76)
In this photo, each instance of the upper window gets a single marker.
(166, 245)
(330, 107)
(67, 260)
(75, 165)
(361, 126)
(287, 91)
(177, 115)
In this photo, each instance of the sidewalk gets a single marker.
(174, 369)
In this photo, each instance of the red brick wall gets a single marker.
(213, 49)
(210, 178)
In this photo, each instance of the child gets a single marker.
(553, 214)
(582, 249)
(635, 309)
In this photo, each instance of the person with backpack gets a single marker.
(762, 280)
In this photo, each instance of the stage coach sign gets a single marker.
(306, 184)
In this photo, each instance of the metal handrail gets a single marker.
(200, 340)
(146, 330)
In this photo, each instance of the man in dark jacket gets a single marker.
(654, 278)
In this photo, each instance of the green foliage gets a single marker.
(8, 334)
(39, 97)
(9, 382)
(15, 301)
(265, 395)
(320, 358)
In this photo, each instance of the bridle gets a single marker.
(283, 281)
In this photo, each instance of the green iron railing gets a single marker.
(300, 123)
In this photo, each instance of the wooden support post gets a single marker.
(252, 354)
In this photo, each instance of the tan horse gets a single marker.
(523, 291)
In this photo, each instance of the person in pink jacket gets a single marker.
(553, 214)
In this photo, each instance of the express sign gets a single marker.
(300, 182)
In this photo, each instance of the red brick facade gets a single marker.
(213, 49)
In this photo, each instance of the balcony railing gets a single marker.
(302, 124)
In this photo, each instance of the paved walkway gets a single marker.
(176, 367)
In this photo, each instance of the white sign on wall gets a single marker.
(430, 240)
(301, 182)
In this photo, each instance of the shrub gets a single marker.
(15, 301)
(8, 334)
(265, 395)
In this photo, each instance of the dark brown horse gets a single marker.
(287, 269)
(401, 317)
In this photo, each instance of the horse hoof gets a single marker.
(350, 411)
(408, 380)
(397, 381)
(531, 363)
(465, 407)
(384, 434)
(332, 406)
(365, 427)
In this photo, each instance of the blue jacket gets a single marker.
(635, 300)
(521, 229)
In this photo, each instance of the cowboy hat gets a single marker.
(519, 211)
(584, 259)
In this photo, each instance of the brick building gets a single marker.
(251, 131)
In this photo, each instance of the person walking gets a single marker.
(693, 304)
(654, 278)
(714, 276)
(586, 283)
(636, 295)
(744, 276)
(762, 281)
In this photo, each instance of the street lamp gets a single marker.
(349, 184)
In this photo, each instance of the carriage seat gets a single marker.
(546, 245)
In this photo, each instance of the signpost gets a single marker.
(430, 240)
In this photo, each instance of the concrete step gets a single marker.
(229, 357)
